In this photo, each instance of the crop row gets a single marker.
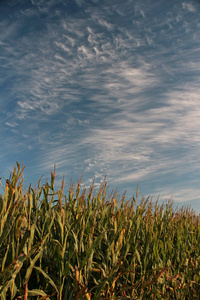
(90, 245)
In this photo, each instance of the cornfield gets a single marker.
(91, 245)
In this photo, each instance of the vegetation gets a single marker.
(88, 245)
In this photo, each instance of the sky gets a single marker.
(101, 88)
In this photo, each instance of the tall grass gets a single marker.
(88, 245)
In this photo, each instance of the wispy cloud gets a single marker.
(189, 7)
(180, 193)
(111, 90)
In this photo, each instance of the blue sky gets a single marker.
(103, 88)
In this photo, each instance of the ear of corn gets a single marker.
(94, 246)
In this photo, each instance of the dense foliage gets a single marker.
(88, 245)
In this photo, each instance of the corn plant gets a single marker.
(91, 245)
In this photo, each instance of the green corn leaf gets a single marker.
(138, 256)
(36, 292)
(2, 293)
(13, 289)
(7, 227)
(89, 253)
(61, 226)
(47, 277)
(24, 240)
(76, 241)
(32, 264)
(31, 237)
(7, 277)
(30, 268)
(5, 257)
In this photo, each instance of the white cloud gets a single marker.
(12, 125)
(189, 7)
(79, 2)
(138, 105)
(105, 24)
(63, 47)
(179, 194)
